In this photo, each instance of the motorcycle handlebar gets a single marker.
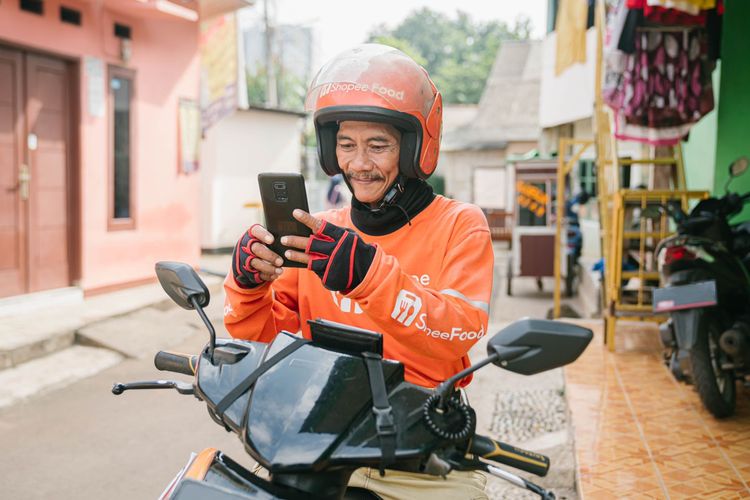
(506, 454)
(176, 362)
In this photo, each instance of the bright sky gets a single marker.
(340, 24)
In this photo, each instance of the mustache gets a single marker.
(365, 177)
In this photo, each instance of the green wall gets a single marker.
(733, 133)
(699, 152)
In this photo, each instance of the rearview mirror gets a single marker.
(182, 284)
(738, 166)
(530, 346)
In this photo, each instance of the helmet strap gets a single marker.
(391, 197)
(394, 193)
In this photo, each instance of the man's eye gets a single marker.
(378, 149)
(346, 147)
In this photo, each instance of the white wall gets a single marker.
(490, 187)
(457, 168)
(233, 153)
(569, 96)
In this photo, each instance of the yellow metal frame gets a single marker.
(614, 203)
(564, 168)
(650, 232)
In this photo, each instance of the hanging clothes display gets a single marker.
(657, 75)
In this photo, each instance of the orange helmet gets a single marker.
(377, 83)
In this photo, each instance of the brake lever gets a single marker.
(544, 494)
(181, 387)
(472, 462)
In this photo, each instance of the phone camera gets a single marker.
(280, 192)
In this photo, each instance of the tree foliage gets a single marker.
(290, 90)
(457, 52)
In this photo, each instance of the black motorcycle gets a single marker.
(706, 291)
(313, 411)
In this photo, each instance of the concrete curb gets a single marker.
(33, 335)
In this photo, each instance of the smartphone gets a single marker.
(281, 194)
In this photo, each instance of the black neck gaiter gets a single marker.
(416, 197)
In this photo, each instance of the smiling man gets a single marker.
(400, 260)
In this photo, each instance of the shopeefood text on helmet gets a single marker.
(360, 87)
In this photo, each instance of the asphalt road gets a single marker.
(83, 442)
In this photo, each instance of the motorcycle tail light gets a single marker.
(678, 253)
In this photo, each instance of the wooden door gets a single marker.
(13, 246)
(34, 172)
(47, 117)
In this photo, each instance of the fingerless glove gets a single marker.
(339, 257)
(245, 275)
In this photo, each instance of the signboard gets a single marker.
(218, 43)
(531, 197)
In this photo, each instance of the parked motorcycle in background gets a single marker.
(706, 291)
(313, 411)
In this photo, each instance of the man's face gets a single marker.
(368, 155)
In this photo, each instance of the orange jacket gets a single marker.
(427, 291)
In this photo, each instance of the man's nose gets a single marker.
(361, 160)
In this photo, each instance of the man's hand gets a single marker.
(253, 263)
(337, 255)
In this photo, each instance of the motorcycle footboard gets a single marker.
(692, 296)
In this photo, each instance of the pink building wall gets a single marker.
(165, 57)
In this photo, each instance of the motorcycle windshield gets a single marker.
(304, 404)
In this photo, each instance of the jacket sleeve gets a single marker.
(261, 313)
(443, 319)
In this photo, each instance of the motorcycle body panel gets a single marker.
(313, 410)
(300, 408)
(214, 381)
(713, 262)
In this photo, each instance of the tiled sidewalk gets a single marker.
(640, 434)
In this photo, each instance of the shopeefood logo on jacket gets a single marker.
(406, 310)
(407, 307)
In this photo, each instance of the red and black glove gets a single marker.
(339, 257)
(245, 275)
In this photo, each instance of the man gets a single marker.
(400, 261)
